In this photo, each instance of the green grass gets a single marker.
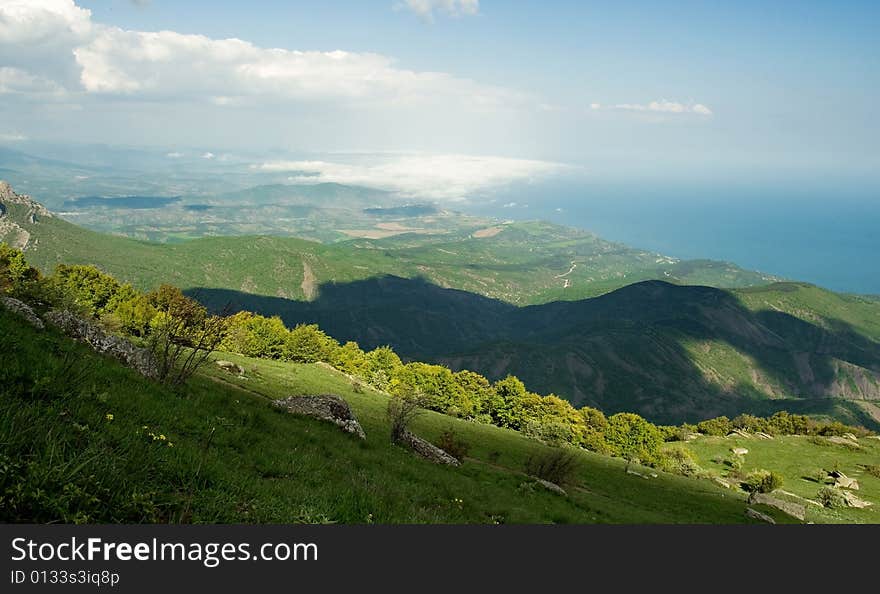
(797, 458)
(238, 459)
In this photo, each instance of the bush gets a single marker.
(762, 481)
(735, 462)
(678, 460)
(831, 497)
(453, 445)
(719, 426)
(873, 469)
(401, 413)
(633, 438)
(558, 465)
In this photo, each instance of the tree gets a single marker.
(182, 334)
(382, 362)
(436, 384)
(350, 359)
(308, 344)
(16, 276)
(254, 335)
(633, 438)
(718, 426)
(86, 287)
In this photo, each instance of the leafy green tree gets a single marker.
(382, 362)
(308, 344)
(350, 359)
(478, 389)
(17, 278)
(437, 386)
(719, 426)
(254, 335)
(633, 438)
(86, 288)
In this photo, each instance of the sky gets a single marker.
(447, 96)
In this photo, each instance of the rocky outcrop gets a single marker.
(22, 309)
(795, 510)
(551, 486)
(756, 515)
(10, 231)
(229, 366)
(426, 449)
(326, 407)
(100, 341)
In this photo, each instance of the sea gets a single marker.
(824, 235)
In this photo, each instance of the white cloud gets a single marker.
(208, 155)
(426, 8)
(56, 39)
(33, 21)
(662, 106)
(18, 81)
(12, 137)
(441, 177)
(174, 155)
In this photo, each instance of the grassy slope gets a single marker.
(797, 458)
(64, 460)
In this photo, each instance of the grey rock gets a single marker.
(90, 333)
(22, 309)
(427, 450)
(551, 486)
(795, 510)
(326, 407)
(229, 366)
(755, 514)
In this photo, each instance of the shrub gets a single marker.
(401, 413)
(633, 438)
(873, 469)
(595, 442)
(551, 432)
(558, 465)
(182, 334)
(735, 462)
(678, 460)
(831, 497)
(762, 481)
(718, 426)
(453, 445)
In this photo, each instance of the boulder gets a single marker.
(22, 309)
(795, 510)
(755, 514)
(231, 367)
(426, 449)
(763, 435)
(551, 486)
(850, 436)
(738, 433)
(739, 451)
(852, 501)
(326, 407)
(837, 440)
(90, 333)
(846, 482)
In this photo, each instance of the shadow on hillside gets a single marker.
(630, 349)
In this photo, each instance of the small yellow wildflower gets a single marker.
(109, 416)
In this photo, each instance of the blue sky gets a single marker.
(675, 90)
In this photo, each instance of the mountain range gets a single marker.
(592, 321)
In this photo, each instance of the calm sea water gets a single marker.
(823, 236)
